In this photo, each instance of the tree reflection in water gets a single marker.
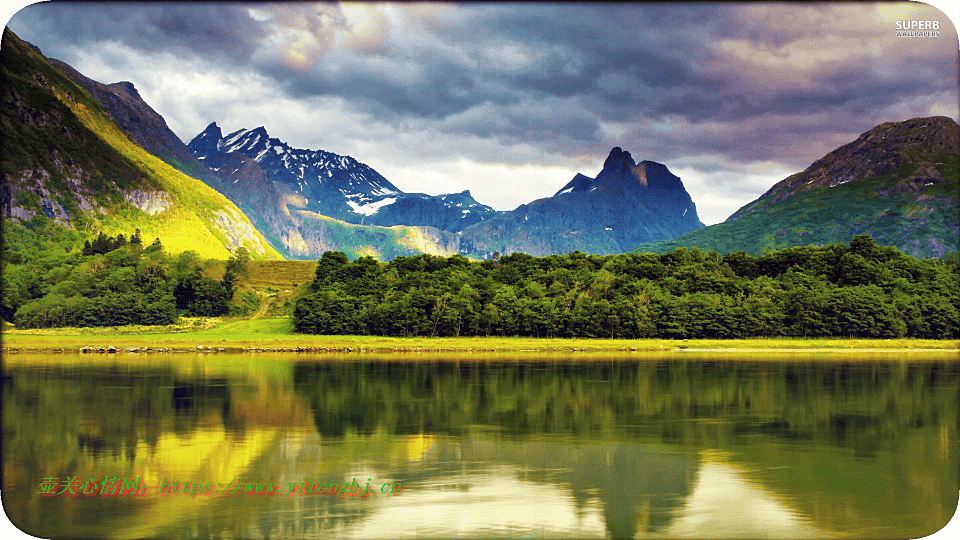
(636, 446)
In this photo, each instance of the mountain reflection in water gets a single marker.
(626, 447)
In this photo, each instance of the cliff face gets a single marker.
(625, 205)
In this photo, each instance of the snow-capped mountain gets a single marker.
(338, 186)
(333, 185)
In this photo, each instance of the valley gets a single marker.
(897, 182)
(464, 248)
(248, 193)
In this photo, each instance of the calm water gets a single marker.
(729, 446)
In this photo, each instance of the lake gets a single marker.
(673, 445)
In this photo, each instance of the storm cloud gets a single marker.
(541, 89)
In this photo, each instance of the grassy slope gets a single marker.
(381, 243)
(823, 216)
(186, 225)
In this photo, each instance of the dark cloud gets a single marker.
(210, 29)
(747, 81)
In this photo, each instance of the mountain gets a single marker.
(66, 162)
(338, 186)
(276, 213)
(898, 182)
(625, 205)
(143, 125)
(281, 190)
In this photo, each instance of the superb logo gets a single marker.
(918, 25)
(920, 29)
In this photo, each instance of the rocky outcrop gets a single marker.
(151, 202)
(229, 222)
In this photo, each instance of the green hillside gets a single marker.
(899, 209)
(65, 162)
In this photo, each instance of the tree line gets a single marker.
(862, 290)
(112, 281)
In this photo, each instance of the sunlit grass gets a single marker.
(277, 333)
(180, 227)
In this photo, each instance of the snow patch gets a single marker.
(371, 208)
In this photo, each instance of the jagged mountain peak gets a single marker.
(621, 174)
(618, 159)
(580, 183)
(335, 185)
(625, 205)
(208, 138)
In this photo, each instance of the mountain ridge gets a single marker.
(123, 103)
(899, 182)
(877, 152)
(66, 161)
(624, 205)
(338, 186)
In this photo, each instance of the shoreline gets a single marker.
(276, 336)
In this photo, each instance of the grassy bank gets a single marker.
(276, 334)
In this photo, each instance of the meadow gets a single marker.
(277, 334)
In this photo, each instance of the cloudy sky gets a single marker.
(511, 100)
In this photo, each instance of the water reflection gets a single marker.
(623, 448)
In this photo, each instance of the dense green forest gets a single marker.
(861, 290)
(50, 281)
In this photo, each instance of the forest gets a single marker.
(860, 290)
(50, 281)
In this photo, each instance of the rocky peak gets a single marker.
(618, 160)
(658, 176)
(625, 205)
(125, 87)
(580, 183)
(211, 131)
(883, 149)
(205, 144)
